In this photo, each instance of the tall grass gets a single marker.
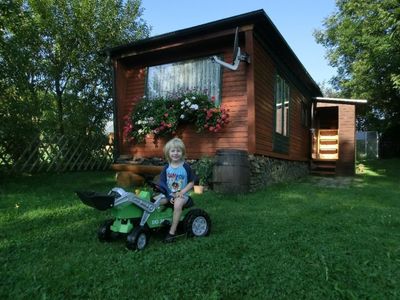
(297, 240)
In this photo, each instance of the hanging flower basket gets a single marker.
(162, 116)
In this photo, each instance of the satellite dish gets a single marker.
(237, 56)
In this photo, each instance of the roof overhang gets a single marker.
(339, 100)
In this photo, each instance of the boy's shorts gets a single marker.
(188, 200)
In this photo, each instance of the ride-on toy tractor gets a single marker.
(136, 216)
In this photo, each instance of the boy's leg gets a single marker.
(178, 206)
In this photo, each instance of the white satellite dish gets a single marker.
(238, 56)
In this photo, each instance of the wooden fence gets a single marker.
(61, 154)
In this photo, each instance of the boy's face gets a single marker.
(175, 154)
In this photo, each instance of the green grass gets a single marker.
(295, 240)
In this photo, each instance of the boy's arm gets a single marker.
(186, 189)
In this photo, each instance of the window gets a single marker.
(281, 110)
(282, 99)
(200, 74)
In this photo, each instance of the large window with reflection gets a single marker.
(199, 74)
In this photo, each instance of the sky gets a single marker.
(295, 19)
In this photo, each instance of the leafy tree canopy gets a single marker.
(363, 41)
(54, 75)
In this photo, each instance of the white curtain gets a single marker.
(200, 74)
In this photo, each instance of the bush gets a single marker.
(204, 169)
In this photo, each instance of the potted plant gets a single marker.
(203, 169)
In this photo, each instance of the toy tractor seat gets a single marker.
(96, 200)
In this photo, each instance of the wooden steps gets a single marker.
(323, 167)
(328, 144)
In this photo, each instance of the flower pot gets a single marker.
(198, 189)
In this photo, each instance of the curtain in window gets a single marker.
(200, 74)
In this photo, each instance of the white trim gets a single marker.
(340, 100)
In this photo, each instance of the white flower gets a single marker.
(182, 116)
(193, 98)
(194, 107)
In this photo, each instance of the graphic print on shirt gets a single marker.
(175, 181)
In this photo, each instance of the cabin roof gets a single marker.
(263, 28)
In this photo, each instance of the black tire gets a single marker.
(137, 239)
(197, 223)
(104, 233)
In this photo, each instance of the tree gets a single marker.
(363, 41)
(54, 74)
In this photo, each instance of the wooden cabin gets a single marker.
(270, 94)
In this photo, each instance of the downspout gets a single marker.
(116, 150)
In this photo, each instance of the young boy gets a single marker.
(179, 178)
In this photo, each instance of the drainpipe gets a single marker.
(116, 151)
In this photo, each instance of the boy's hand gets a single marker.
(178, 194)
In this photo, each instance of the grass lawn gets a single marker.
(296, 240)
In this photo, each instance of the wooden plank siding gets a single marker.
(347, 139)
(299, 138)
(234, 97)
(248, 93)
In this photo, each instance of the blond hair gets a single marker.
(174, 143)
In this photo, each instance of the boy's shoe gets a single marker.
(169, 238)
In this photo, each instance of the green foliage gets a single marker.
(162, 116)
(204, 169)
(363, 42)
(296, 240)
(54, 75)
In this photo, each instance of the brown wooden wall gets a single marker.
(299, 136)
(347, 139)
(248, 93)
(234, 135)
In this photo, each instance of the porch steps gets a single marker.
(328, 146)
(323, 167)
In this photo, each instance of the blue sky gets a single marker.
(295, 19)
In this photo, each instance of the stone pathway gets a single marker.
(336, 181)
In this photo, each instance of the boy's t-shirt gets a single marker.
(173, 181)
(177, 178)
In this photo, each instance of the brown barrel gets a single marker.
(231, 171)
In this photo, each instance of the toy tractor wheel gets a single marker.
(137, 239)
(104, 233)
(197, 223)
